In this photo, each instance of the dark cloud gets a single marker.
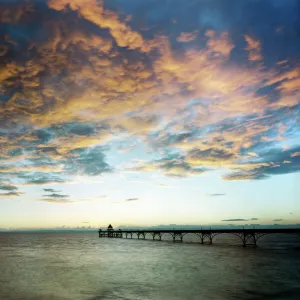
(7, 187)
(215, 195)
(163, 139)
(212, 154)
(239, 220)
(276, 162)
(82, 129)
(244, 175)
(87, 161)
(173, 165)
(44, 135)
(15, 152)
(51, 191)
(10, 194)
(38, 178)
(58, 196)
(131, 199)
(234, 220)
(77, 128)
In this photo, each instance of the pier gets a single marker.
(248, 237)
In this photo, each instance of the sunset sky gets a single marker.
(149, 112)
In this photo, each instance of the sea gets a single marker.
(81, 266)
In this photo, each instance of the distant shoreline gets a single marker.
(166, 227)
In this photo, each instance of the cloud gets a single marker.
(15, 12)
(275, 163)
(32, 168)
(210, 157)
(10, 194)
(215, 195)
(51, 191)
(131, 199)
(254, 48)
(87, 161)
(245, 175)
(57, 198)
(40, 178)
(61, 201)
(186, 37)
(96, 75)
(171, 165)
(54, 195)
(240, 220)
(277, 220)
(219, 45)
(94, 12)
(9, 190)
(234, 220)
(7, 187)
(137, 125)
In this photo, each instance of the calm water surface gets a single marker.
(61, 266)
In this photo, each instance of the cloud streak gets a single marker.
(7, 187)
(131, 199)
(240, 220)
(56, 195)
(51, 191)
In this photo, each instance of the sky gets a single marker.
(149, 112)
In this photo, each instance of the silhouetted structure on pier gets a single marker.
(247, 236)
(110, 232)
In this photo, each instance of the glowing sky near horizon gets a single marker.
(149, 112)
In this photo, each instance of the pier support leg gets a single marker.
(202, 239)
(254, 239)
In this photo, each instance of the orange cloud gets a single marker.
(61, 201)
(137, 124)
(81, 76)
(244, 176)
(254, 48)
(219, 45)
(68, 142)
(94, 12)
(24, 168)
